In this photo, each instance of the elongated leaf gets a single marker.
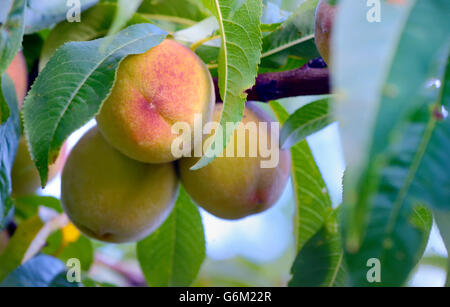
(311, 194)
(39, 271)
(240, 52)
(95, 22)
(14, 253)
(173, 254)
(294, 37)
(320, 262)
(125, 10)
(71, 88)
(9, 140)
(386, 118)
(11, 34)
(181, 11)
(304, 122)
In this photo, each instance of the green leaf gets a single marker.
(293, 38)
(95, 23)
(40, 271)
(320, 262)
(82, 249)
(185, 12)
(387, 118)
(240, 52)
(9, 140)
(17, 247)
(28, 206)
(11, 34)
(125, 10)
(311, 194)
(72, 87)
(304, 122)
(173, 254)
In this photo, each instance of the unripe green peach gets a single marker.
(24, 175)
(235, 187)
(111, 197)
(153, 90)
(17, 71)
(324, 18)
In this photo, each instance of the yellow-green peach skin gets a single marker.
(111, 197)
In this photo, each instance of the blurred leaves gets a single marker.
(124, 11)
(72, 86)
(95, 23)
(387, 111)
(311, 194)
(9, 140)
(240, 52)
(11, 33)
(186, 12)
(173, 254)
(304, 122)
(40, 271)
(15, 251)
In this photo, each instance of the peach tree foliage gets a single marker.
(390, 96)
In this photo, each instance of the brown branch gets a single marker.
(306, 80)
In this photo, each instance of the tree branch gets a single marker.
(310, 79)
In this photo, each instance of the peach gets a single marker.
(24, 175)
(324, 18)
(111, 197)
(235, 187)
(17, 71)
(153, 90)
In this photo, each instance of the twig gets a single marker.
(310, 79)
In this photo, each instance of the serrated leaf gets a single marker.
(95, 22)
(40, 271)
(313, 202)
(186, 12)
(9, 140)
(320, 262)
(387, 119)
(305, 121)
(72, 87)
(173, 254)
(294, 37)
(240, 52)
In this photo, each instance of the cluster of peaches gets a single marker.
(121, 180)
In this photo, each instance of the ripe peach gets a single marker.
(24, 175)
(111, 197)
(234, 187)
(153, 90)
(17, 71)
(324, 18)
